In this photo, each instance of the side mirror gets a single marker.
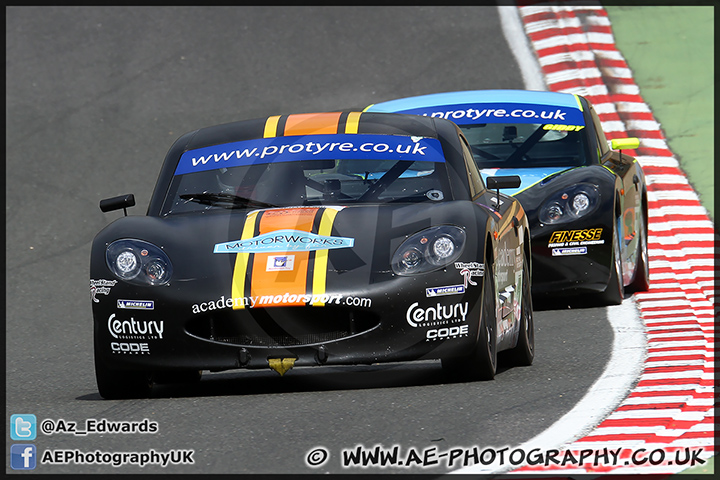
(624, 143)
(507, 181)
(116, 203)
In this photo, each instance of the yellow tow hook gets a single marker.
(281, 365)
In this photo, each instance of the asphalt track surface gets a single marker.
(96, 96)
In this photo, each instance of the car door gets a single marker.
(507, 232)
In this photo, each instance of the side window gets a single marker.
(477, 186)
(602, 141)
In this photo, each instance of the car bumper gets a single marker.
(212, 333)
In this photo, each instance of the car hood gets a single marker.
(337, 246)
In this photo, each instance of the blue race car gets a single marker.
(586, 202)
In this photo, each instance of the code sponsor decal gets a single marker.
(311, 147)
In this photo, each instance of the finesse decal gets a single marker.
(570, 238)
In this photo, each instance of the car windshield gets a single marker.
(247, 178)
(523, 145)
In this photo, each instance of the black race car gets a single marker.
(586, 203)
(312, 239)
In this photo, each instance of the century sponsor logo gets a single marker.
(284, 241)
(438, 314)
(135, 329)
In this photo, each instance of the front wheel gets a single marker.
(523, 353)
(615, 291)
(481, 363)
(641, 282)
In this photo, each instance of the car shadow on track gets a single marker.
(544, 303)
(308, 379)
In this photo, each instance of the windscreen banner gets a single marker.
(311, 147)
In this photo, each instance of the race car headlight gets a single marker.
(138, 262)
(569, 204)
(429, 250)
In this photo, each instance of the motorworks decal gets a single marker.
(311, 147)
(284, 241)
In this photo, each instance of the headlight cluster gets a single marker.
(429, 250)
(138, 262)
(569, 204)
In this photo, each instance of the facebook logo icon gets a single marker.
(22, 457)
(23, 427)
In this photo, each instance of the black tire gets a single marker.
(481, 364)
(120, 384)
(615, 291)
(641, 282)
(523, 353)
